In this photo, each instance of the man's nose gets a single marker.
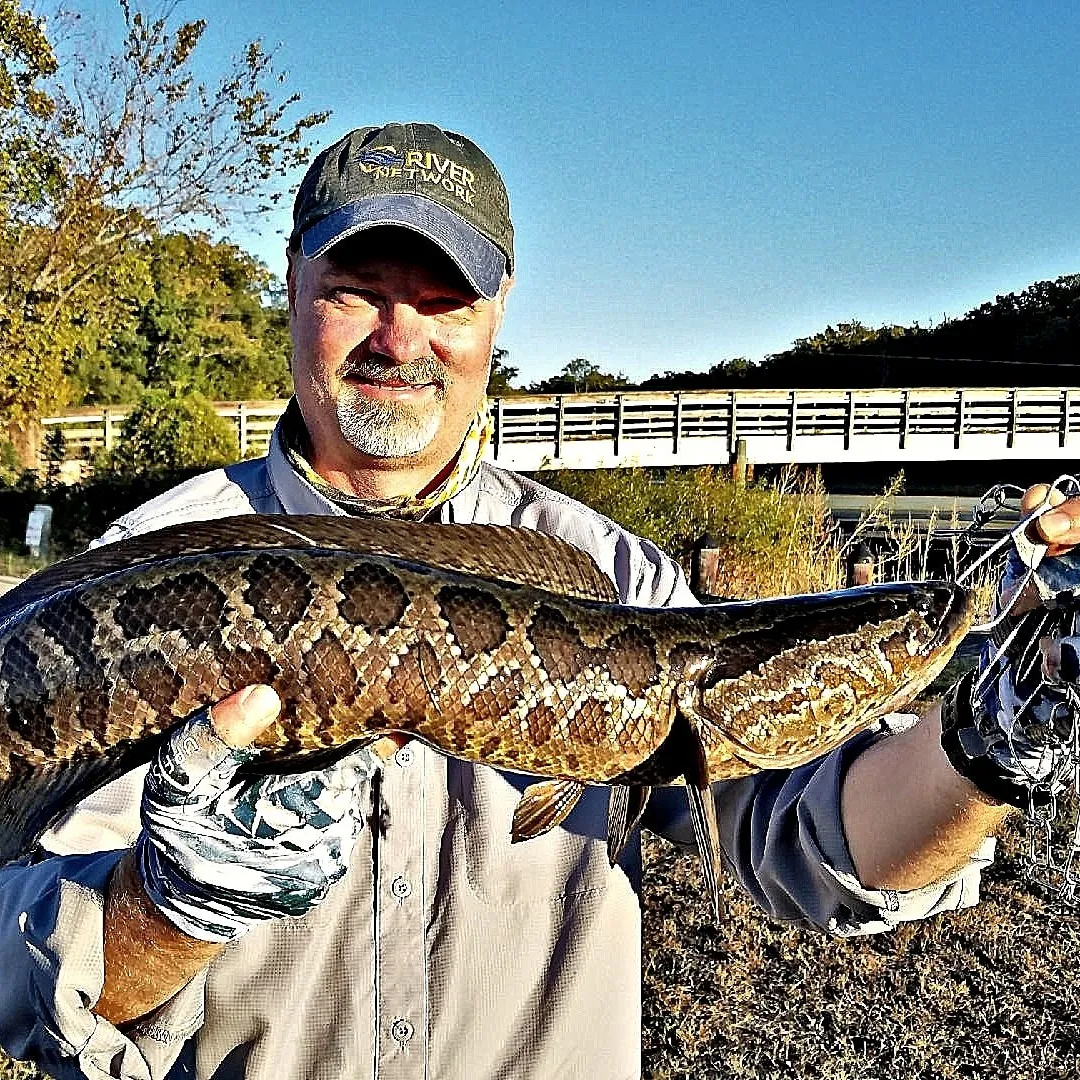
(400, 334)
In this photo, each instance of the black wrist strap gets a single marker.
(968, 752)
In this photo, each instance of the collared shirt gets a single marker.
(445, 952)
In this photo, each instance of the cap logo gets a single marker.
(385, 162)
(385, 157)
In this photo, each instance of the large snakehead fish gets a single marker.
(498, 645)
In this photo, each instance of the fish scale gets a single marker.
(499, 646)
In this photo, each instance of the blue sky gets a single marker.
(698, 181)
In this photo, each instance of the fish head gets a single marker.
(788, 680)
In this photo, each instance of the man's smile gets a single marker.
(389, 387)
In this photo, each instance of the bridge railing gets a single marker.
(705, 427)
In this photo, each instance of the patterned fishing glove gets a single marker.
(217, 856)
(1008, 726)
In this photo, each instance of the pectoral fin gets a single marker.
(706, 830)
(626, 804)
(543, 806)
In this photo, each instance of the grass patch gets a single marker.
(983, 993)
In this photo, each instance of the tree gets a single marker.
(501, 375)
(212, 321)
(167, 431)
(726, 373)
(133, 146)
(580, 376)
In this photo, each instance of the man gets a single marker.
(180, 924)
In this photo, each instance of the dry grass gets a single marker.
(989, 992)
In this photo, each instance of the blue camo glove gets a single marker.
(216, 856)
(1012, 740)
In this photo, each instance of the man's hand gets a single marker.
(1011, 738)
(1059, 527)
(216, 856)
(286, 839)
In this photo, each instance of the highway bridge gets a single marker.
(809, 427)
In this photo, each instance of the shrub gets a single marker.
(165, 433)
(774, 538)
(81, 511)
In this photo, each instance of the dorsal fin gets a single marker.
(497, 552)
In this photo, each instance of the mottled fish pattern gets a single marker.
(496, 645)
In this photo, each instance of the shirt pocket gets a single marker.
(569, 861)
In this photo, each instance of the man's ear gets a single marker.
(500, 300)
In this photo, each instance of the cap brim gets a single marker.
(482, 263)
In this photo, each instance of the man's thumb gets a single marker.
(242, 717)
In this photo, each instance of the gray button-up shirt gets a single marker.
(445, 952)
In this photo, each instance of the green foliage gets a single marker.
(210, 321)
(846, 335)
(580, 376)
(501, 374)
(1030, 338)
(773, 539)
(166, 432)
(97, 158)
(27, 165)
(726, 373)
(82, 511)
(10, 465)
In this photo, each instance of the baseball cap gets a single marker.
(435, 182)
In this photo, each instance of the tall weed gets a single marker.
(774, 538)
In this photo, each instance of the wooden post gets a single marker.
(905, 419)
(242, 427)
(496, 428)
(1014, 410)
(793, 420)
(849, 430)
(705, 566)
(1066, 410)
(110, 434)
(861, 566)
(741, 467)
(559, 428)
(678, 422)
(619, 411)
(961, 410)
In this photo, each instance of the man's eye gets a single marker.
(344, 294)
(441, 305)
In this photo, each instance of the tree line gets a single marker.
(115, 166)
(1026, 338)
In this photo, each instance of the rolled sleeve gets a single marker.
(783, 840)
(51, 934)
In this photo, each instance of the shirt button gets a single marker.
(402, 1031)
(400, 888)
(404, 756)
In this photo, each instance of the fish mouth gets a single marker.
(924, 621)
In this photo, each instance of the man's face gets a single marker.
(391, 350)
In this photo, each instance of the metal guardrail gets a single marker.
(705, 427)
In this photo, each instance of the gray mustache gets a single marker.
(418, 371)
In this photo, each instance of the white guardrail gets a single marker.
(597, 431)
